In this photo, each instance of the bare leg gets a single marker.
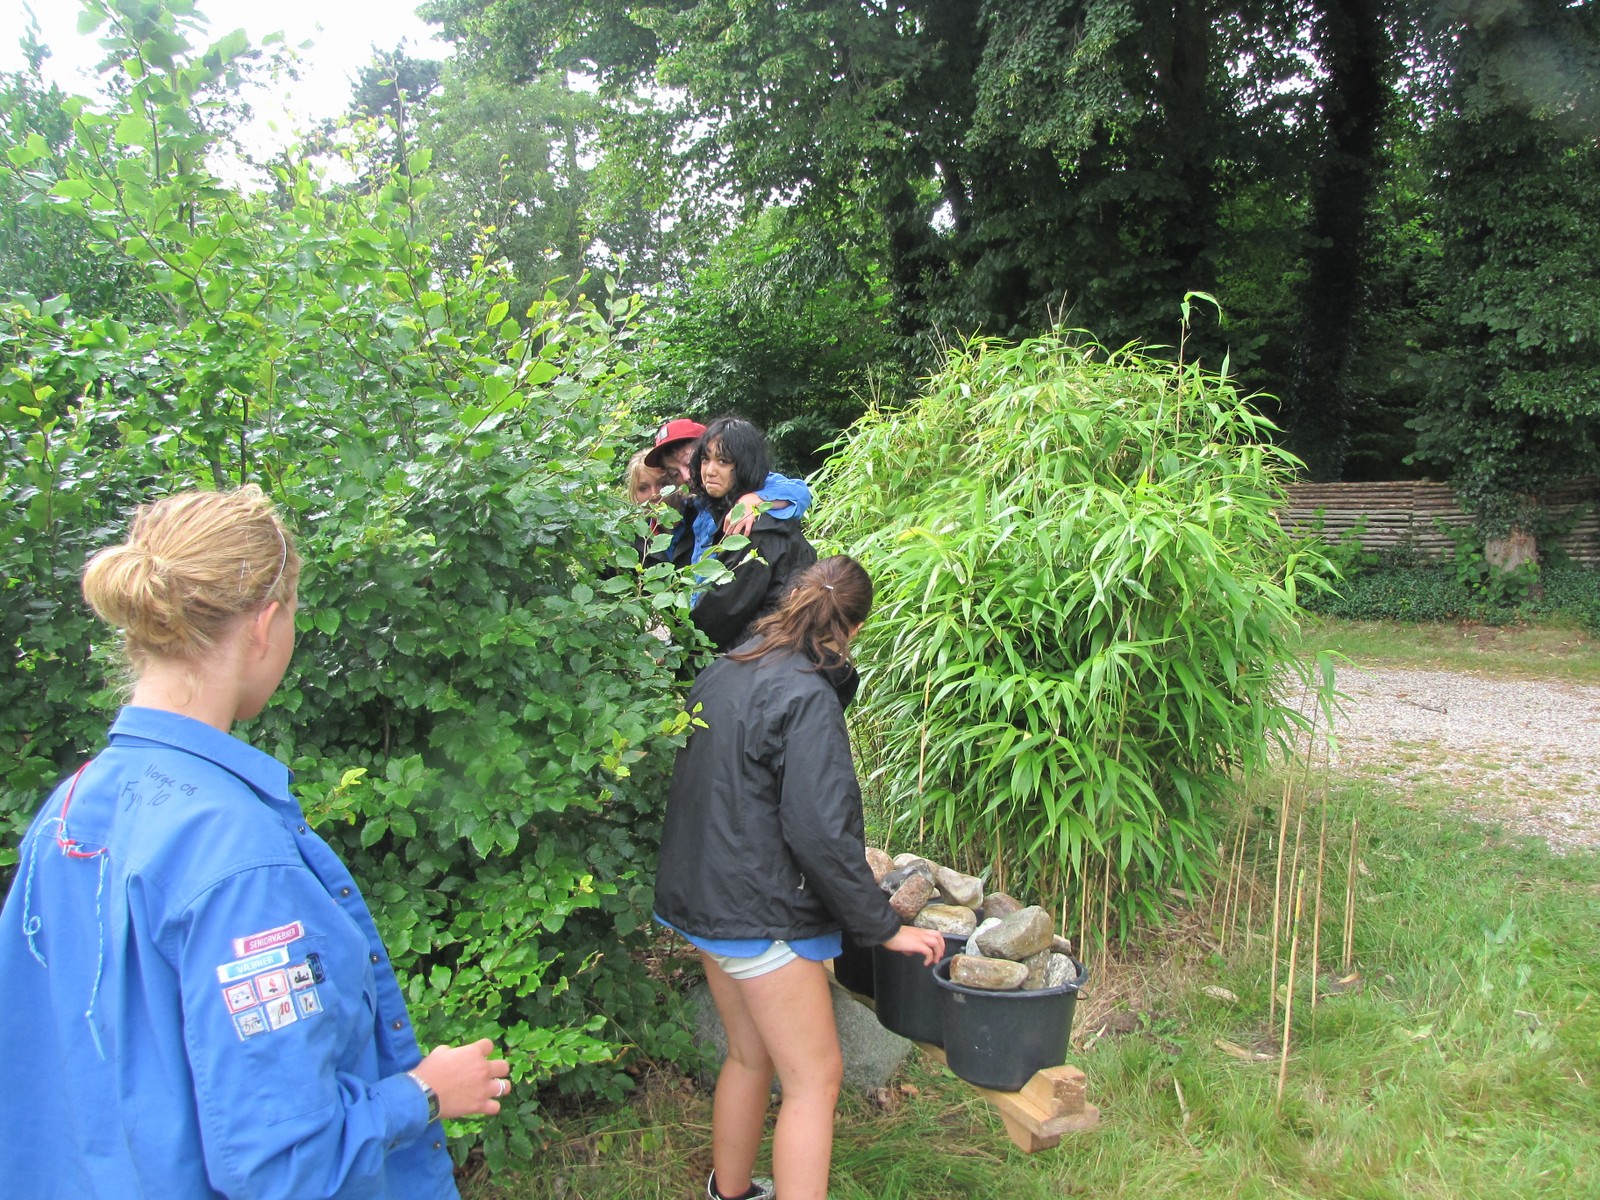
(744, 1087)
(789, 1013)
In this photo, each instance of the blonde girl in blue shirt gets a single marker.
(198, 1003)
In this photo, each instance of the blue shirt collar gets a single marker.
(261, 771)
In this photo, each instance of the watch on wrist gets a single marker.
(428, 1094)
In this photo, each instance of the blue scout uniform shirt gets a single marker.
(196, 1002)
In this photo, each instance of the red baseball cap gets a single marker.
(680, 430)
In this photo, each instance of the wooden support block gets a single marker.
(1050, 1104)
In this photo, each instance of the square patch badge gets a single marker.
(301, 976)
(272, 985)
(280, 1012)
(250, 1023)
(239, 997)
(308, 1001)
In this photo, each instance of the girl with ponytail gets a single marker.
(197, 999)
(763, 866)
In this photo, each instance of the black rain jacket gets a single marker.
(762, 575)
(763, 835)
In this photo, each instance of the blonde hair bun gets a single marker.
(191, 564)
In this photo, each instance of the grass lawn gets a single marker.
(1543, 651)
(1462, 1063)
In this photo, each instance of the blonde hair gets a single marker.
(638, 469)
(191, 564)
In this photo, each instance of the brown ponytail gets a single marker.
(827, 602)
(191, 564)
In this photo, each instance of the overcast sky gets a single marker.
(343, 33)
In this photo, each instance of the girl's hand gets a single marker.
(468, 1081)
(741, 518)
(913, 941)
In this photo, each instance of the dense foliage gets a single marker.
(1083, 627)
(478, 711)
(1514, 405)
(775, 329)
(1391, 198)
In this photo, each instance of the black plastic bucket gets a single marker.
(904, 993)
(853, 968)
(999, 1039)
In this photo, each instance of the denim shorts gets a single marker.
(779, 954)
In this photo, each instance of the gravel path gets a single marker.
(1525, 753)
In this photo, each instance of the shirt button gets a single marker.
(374, 958)
(438, 1145)
(302, 829)
(344, 891)
(398, 1025)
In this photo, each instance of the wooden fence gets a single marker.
(1387, 516)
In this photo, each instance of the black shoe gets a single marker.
(760, 1189)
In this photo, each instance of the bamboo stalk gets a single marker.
(1083, 908)
(1105, 911)
(1234, 882)
(1350, 900)
(1277, 893)
(922, 759)
(1296, 871)
(1288, 1003)
(1316, 918)
(1250, 904)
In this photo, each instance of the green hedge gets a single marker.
(479, 712)
(1421, 592)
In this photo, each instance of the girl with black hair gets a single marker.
(731, 461)
(763, 863)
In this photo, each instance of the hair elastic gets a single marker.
(829, 586)
(283, 561)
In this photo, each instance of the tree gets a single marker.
(512, 184)
(1515, 401)
(390, 92)
(44, 253)
(895, 125)
(1008, 164)
(783, 328)
(1356, 52)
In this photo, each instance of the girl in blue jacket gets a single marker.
(196, 998)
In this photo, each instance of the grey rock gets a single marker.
(1019, 936)
(1061, 945)
(892, 881)
(998, 904)
(990, 974)
(910, 897)
(984, 926)
(871, 1053)
(1062, 971)
(947, 918)
(958, 888)
(906, 859)
(1038, 967)
(880, 862)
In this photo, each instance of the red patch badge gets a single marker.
(267, 939)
